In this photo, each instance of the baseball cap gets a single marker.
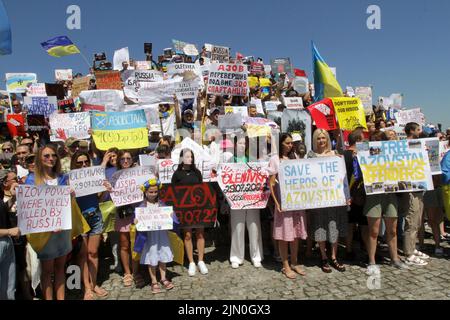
(83, 144)
(155, 128)
(70, 141)
(188, 111)
(296, 137)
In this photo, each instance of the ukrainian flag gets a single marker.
(5, 32)
(325, 84)
(60, 47)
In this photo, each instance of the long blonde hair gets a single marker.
(39, 170)
(316, 136)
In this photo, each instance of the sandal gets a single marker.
(155, 288)
(337, 266)
(167, 284)
(289, 274)
(100, 292)
(325, 266)
(127, 280)
(139, 281)
(88, 295)
(298, 269)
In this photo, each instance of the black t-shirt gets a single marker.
(5, 223)
(187, 177)
(348, 157)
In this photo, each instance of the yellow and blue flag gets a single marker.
(60, 47)
(5, 32)
(325, 83)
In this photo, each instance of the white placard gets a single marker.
(66, 125)
(154, 218)
(126, 185)
(87, 181)
(63, 75)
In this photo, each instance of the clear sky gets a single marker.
(409, 55)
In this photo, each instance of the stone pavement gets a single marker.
(247, 282)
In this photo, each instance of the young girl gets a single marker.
(157, 251)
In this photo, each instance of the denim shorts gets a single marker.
(95, 221)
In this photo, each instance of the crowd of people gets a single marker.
(393, 220)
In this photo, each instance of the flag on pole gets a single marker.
(325, 83)
(5, 32)
(60, 47)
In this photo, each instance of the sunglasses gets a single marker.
(48, 156)
(7, 149)
(83, 162)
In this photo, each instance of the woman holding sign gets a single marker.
(289, 226)
(187, 173)
(89, 207)
(59, 244)
(328, 223)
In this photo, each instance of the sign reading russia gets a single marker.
(312, 183)
(394, 166)
(228, 79)
(244, 185)
(123, 130)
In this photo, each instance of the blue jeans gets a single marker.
(7, 269)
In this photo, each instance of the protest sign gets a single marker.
(191, 70)
(259, 127)
(187, 89)
(154, 218)
(18, 82)
(444, 147)
(4, 99)
(365, 94)
(393, 101)
(413, 115)
(312, 183)
(80, 84)
(244, 184)
(297, 121)
(43, 209)
(323, 114)
(142, 65)
(90, 107)
(66, 125)
(256, 68)
(41, 105)
(432, 147)
(152, 92)
(258, 103)
(394, 166)
(194, 205)
(66, 106)
(87, 181)
(36, 90)
(111, 99)
(63, 75)
(16, 125)
(55, 90)
(126, 185)
(220, 54)
(167, 167)
(36, 123)
(108, 80)
(135, 79)
(282, 65)
(243, 111)
(293, 103)
(275, 116)
(230, 121)
(146, 160)
(120, 56)
(181, 47)
(400, 131)
(272, 105)
(350, 113)
(228, 79)
(123, 130)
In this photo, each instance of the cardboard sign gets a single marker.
(108, 80)
(183, 70)
(228, 79)
(230, 121)
(126, 185)
(350, 113)
(282, 65)
(323, 114)
(194, 205)
(297, 121)
(243, 111)
(80, 84)
(413, 115)
(120, 56)
(36, 90)
(87, 181)
(63, 75)
(293, 103)
(272, 105)
(111, 99)
(43, 209)
(90, 107)
(220, 54)
(244, 184)
(146, 160)
(187, 90)
(185, 48)
(154, 218)
(256, 68)
(142, 65)
(16, 125)
(123, 130)
(66, 125)
(259, 127)
(433, 149)
(312, 183)
(36, 123)
(365, 94)
(394, 166)
(135, 79)
(152, 91)
(41, 105)
(66, 106)
(18, 82)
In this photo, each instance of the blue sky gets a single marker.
(408, 55)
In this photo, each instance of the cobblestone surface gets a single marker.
(247, 282)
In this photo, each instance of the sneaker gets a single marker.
(257, 264)
(373, 269)
(202, 267)
(414, 260)
(421, 255)
(235, 265)
(399, 265)
(192, 269)
(439, 252)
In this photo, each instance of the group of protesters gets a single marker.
(393, 220)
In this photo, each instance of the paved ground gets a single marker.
(247, 282)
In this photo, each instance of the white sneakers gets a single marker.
(257, 264)
(202, 267)
(421, 255)
(415, 260)
(192, 269)
(235, 265)
(373, 269)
